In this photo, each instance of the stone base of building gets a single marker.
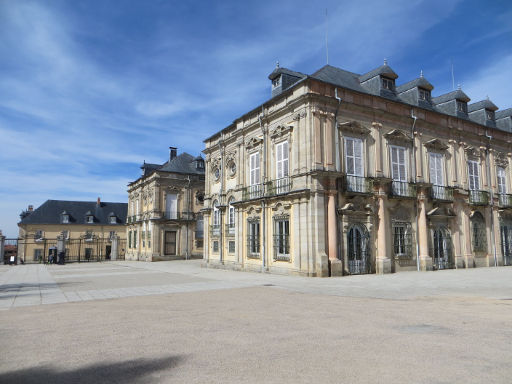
(157, 257)
(425, 263)
(469, 261)
(336, 267)
(382, 266)
(459, 262)
(483, 261)
(249, 267)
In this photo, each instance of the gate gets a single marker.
(357, 250)
(442, 252)
(506, 244)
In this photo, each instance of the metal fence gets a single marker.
(76, 250)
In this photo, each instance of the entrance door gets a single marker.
(357, 241)
(506, 244)
(170, 243)
(442, 249)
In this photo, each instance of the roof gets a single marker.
(504, 113)
(420, 82)
(340, 77)
(183, 163)
(279, 70)
(384, 70)
(50, 212)
(483, 104)
(454, 95)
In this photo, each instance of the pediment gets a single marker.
(436, 144)
(281, 130)
(501, 160)
(253, 142)
(353, 127)
(398, 135)
(440, 212)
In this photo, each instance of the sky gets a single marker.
(91, 89)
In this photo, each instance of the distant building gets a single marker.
(87, 229)
(164, 218)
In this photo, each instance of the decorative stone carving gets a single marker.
(501, 160)
(472, 151)
(253, 142)
(436, 144)
(280, 130)
(300, 115)
(400, 213)
(396, 135)
(353, 127)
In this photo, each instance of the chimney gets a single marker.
(173, 152)
(98, 202)
(30, 208)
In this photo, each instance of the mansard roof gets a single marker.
(338, 76)
(454, 95)
(420, 82)
(280, 70)
(51, 210)
(383, 70)
(503, 113)
(483, 104)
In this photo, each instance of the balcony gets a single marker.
(441, 193)
(477, 197)
(358, 184)
(279, 186)
(403, 189)
(230, 229)
(173, 215)
(215, 230)
(253, 191)
(505, 200)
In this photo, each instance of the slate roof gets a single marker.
(384, 70)
(504, 113)
(419, 82)
(280, 70)
(183, 163)
(483, 104)
(50, 212)
(454, 95)
(340, 77)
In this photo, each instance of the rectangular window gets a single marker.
(149, 233)
(144, 235)
(502, 181)
(398, 164)
(436, 169)
(216, 246)
(171, 206)
(254, 162)
(282, 239)
(489, 114)
(231, 246)
(39, 235)
(88, 235)
(402, 244)
(254, 237)
(134, 239)
(38, 254)
(388, 84)
(282, 160)
(113, 220)
(65, 219)
(170, 243)
(200, 227)
(129, 239)
(424, 94)
(354, 157)
(474, 175)
(462, 107)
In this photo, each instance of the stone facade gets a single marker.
(164, 218)
(330, 177)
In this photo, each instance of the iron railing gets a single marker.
(441, 193)
(403, 189)
(358, 184)
(215, 230)
(478, 197)
(230, 229)
(253, 247)
(282, 247)
(505, 200)
(271, 188)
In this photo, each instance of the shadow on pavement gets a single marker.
(132, 371)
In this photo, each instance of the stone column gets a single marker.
(468, 254)
(334, 262)
(492, 172)
(425, 259)
(483, 169)
(419, 157)
(463, 171)
(114, 251)
(456, 226)
(383, 262)
(452, 150)
(206, 237)
(377, 127)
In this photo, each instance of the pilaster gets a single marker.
(383, 262)
(425, 259)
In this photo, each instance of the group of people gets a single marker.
(56, 258)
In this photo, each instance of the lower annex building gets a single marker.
(341, 173)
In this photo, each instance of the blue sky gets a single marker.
(91, 89)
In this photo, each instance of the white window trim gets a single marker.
(361, 143)
(439, 158)
(256, 171)
(283, 164)
(503, 177)
(406, 163)
(475, 165)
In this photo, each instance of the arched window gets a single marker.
(478, 232)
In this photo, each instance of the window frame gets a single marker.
(405, 163)
(254, 168)
(283, 161)
(353, 157)
(473, 169)
(439, 162)
(501, 180)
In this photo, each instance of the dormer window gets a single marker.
(89, 236)
(388, 84)
(39, 235)
(113, 219)
(89, 219)
(489, 114)
(423, 94)
(65, 219)
(276, 82)
(462, 107)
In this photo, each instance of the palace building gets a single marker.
(164, 218)
(342, 173)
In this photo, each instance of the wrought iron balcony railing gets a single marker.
(358, 184)
(403, 189)
(442, 193)
(230, 229)
(216, 230)
(272, 188)
(477, 197)
(254, 191)
(173, 215)
(505, 200)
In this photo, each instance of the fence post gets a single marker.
(115, 246)
(2, 246)
(61, 246)
(79, 249)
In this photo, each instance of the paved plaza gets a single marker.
(174, 322)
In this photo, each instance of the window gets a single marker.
(357, 244)
(170, 243)
(65, 219)
(171, 206)
(254, 168)
(216, 214)
(148, 235)
(38, 254)
(89, 219)
(113, 220)
(436, 169)
(216, 173)
(65, 234)
(502, 181)
(199, 227)
(254, 237)
(112, 234)
(282, 239)
(129, 239)
(231, 217)
(398, 164)
(88, 235)
(423, 94)
(276, 82)
(402, 242)
(136, 207)
(354, 157)
(232, 168)
(132, 210)
(135, 239)
(231, 246)
(144, 235)
(282, 160)
(388, 84)
(478, 233)
(39, 235)
(462, 107)
(474, 175)
(215, 246)
(489, 114)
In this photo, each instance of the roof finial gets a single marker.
(421, 73)
(385, 61)
(459, 87)
(277, 64)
